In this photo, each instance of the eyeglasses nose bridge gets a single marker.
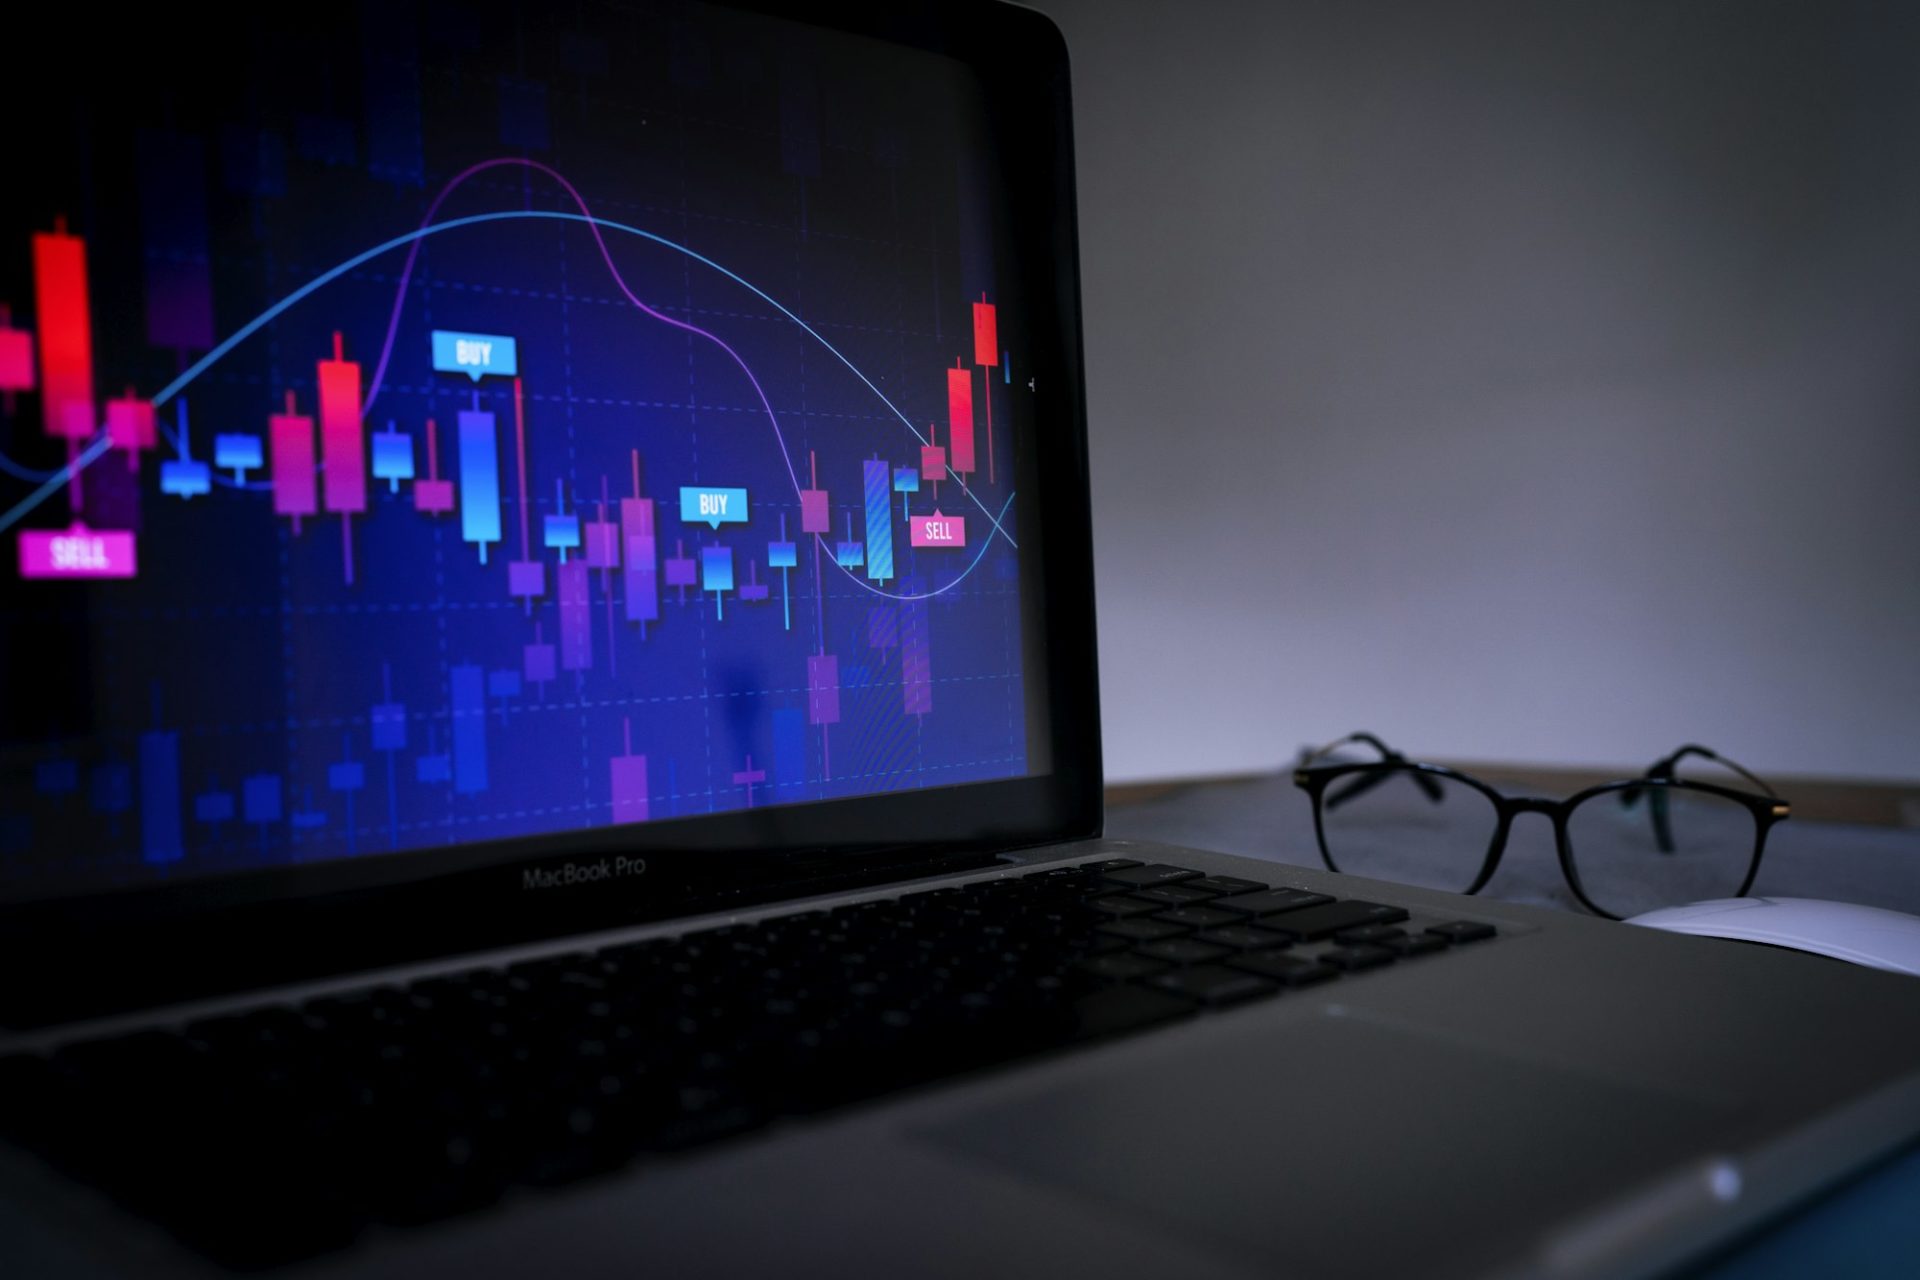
(1517, 805)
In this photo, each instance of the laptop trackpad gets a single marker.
(1338, 1146)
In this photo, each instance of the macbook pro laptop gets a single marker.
(550, 720)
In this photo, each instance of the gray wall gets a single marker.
(1533, 382)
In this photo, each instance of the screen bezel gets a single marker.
(138, 946)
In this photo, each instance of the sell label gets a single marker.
(938, 530)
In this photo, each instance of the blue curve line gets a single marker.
(259, 322)
(28, 474)
(54, 483)
(195, 370)
(33, 476)
(928, 595)
(200, 366)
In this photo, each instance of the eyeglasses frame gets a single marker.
(1768, 810)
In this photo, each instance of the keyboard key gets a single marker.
(1370, 935)
(1180, 951)
(1324, 921)
(1123, 966)
(1354, 959)
(1223, 885)
(1244, 937)
(1116, 1009)
(1269, 901)
(1415, 944)
(1175, 895)
(1462, 931)
(1124, 904)
(1198, 917)
(1289, 971)
(1142, 930)
(1111, 864)
(1211, 984)
(1152, 873)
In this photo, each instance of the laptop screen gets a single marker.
(451, 424)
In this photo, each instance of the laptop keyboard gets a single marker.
(273, 1134)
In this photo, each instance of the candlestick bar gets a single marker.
(131, 427)
(602, 544)
(184, 476)
(343, 449)
(933, 464)
(290, 437)
(641, 575)
(469, 690)
(392, 457)
(784, 555)
(883, 627)
(538, 659)
(261, 798)
(561, 533)
(389, 726)
(986, 354)
(681, 571)
(716, 568)
(66, 334)
(823, 689)
(814, 516)
(479, 480)
(237, 453)
(916, 654)
(16, 357)
(879, 481)
(161, 838)
(789, 747)
(433, 495)
(986, 336)
(960, 419)
(629, 780)
(576, 616)
(716, 575)
(753, 590)
(526, 577)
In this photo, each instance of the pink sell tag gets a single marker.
(937, 530)
(76, 552)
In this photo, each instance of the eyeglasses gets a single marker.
(1625, 847)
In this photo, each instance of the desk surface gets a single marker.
(1867, 1227)
(1271, 818)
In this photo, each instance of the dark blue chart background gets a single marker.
(240, 703)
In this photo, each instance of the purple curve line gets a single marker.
(413, 253)
(406, 276)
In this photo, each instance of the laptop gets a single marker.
(553, 720)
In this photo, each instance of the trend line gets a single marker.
(31, 475)
(985, 543)
(188, 375)
(606, 255)
(101, 443)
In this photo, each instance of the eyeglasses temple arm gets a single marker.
(1663, 770)
(1368, 781)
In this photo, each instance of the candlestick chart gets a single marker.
(497, 455)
